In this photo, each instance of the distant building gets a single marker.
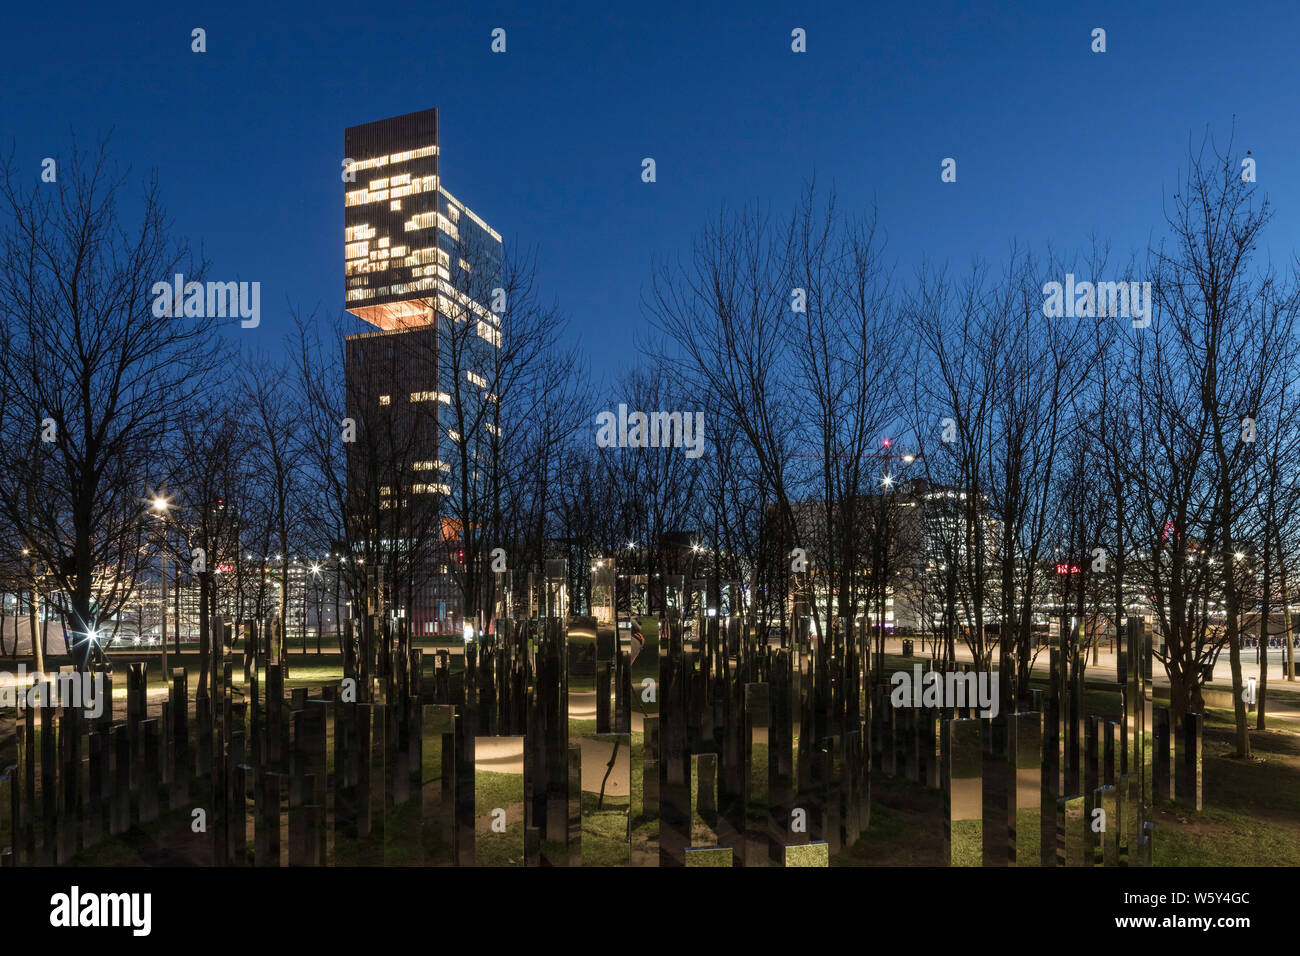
(908, 535)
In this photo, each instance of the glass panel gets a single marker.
(963, 827)
(499, 801)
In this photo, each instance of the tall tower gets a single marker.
(420, 267)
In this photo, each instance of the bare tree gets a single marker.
(212, 490)
(96, 376)
(785, 330)
(1229, 323)
(277, 451)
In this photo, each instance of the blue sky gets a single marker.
(1053, 142)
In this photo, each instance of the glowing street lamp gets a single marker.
(160, 505)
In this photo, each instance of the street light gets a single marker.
(160, 505)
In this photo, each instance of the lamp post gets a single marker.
(340, 560)
(315, 571)
(160, 512)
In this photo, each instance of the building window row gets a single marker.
(393, 159)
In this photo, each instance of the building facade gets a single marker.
(421, 268)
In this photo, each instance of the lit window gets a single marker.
(435, 489)
(477, 379)
(424, 220)
(385, 399)
(486, 331)
(395, 205)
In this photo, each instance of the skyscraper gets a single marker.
(421, 268)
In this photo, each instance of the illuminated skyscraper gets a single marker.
(421, 268)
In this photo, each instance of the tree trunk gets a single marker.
(1285, 597)
(1261, 698)
(1234, 657)
(1177, 693)
(1238, 705)
(282, 631)
(33, 619)
(205, 637)
(162, 617)
(176, 615)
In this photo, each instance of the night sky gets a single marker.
(1053, 142)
